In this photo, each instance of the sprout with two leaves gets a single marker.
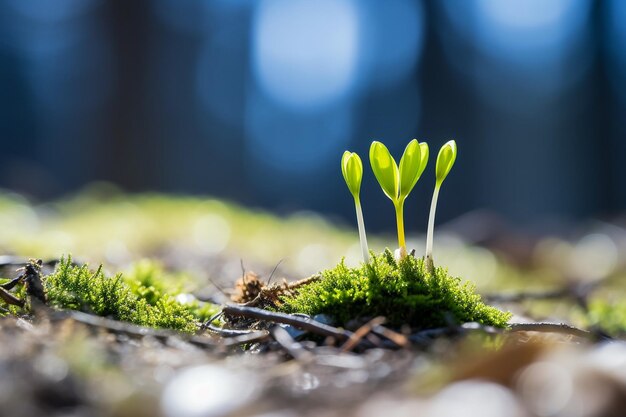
(352, 169)
(445, 161)
(397, 182)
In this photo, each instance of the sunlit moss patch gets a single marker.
(402, 291)
(143, 302)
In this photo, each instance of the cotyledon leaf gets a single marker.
(385, 169)
(352, 169)
(445, 160)
(424, 154)
(410, 167)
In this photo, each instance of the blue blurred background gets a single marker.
(255, 101)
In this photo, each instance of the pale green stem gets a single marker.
(362, 236)
(400, 221)
(430, 267)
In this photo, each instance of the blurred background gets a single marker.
(255, 101)
(223, 123)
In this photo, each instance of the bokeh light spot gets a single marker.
(528, 32)
(304, 53)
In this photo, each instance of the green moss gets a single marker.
(609, 316)
(79, 288)
(148, 279)
(402, 291)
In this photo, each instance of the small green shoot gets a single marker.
(397, 182)
(352, 170)
(445, 161)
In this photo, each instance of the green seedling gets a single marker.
(445, 161)
(397, 182)
(352, 170)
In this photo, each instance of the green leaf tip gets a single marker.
(412, 165)
(352, 170)
(445, 160)
(385, 169)
(424, 153)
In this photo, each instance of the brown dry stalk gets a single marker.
(250, 291)
(303, 323)
(9, 298)
(361, 332)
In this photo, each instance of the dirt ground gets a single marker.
(61, 366)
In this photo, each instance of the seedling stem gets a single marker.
(445, 161)
(400, 222)
(352, 170)
(362, 236)
(431, 229)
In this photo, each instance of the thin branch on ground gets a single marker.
(360, 333)
(114, 326)
(210, 321)
(256, 336)
(303, 323)
(552, 328)
(397, 338)
(293, 348)
(120, 327)
(11, 284)
(427, 335)
(9, 298)
(227, 332)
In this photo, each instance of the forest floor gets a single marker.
(565, 355)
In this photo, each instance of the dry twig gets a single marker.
(303, 323)
(360, 333)
(220, 331)
(427, 335)
(9, 298)
(552, 328)
(295, 349)
(234, 338)
(397, 338)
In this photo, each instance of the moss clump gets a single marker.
(609, 316)
(78, 288)
(402, 291)
(148, 280)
